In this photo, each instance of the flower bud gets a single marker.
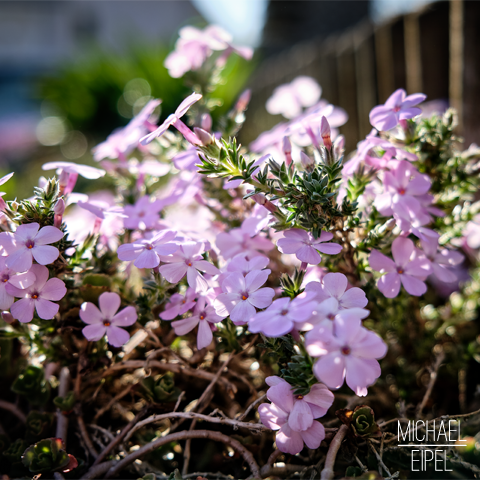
(3, 205)
(307, 162)
(325, 133)
(7, 317)
(206, 122)
(287, 150)
(204, 136)
(63, 180)
(262, 200)
(243, 101)
(59, 207)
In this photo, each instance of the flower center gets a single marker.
(397, 108)
(107, 323)
(299, 397)
(284, 312)
(34, 296)
(30, 244)
(202, 316)
(149, 247)
(189, 263)
(244, 296)
(5, 278)
(331, 316)
(400, 270)
(141, 214)
(402, 191)
(346, 350)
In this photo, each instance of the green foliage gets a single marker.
(38, 425)
(66, 403)
(161, 389)
(48, 456)
(362, 421)
(292, 285)
(31, 384)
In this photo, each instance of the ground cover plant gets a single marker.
(233, 311)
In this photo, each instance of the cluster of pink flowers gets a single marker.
(25, 280)
(195, 46)
(293, 416)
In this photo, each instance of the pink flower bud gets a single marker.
(204, 136)
(339, 145)
(325, 133)
(243, 101)
(59, 207)
(63, 180)
(3, 205)
(259, 198)
(287, 150)
(206, 122)
(306, 161)
(8, 317)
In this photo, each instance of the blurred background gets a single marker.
(72, 71)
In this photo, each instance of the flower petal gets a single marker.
(22, 310)
(45, 254)
(389, 284)
(182, 327)
(242, 312)
(272, 416)
(27, 231)
(21, 260)
(125, 317)
(262, 298)
(89, 313)
(147, 259)
(413, 285)
(109, 303)
(173, 272)
(314, 435)
(204, 336)
(289, 441)
(300, 417)
(46, 309)
(48, 235)
(54, 289)
(94, 332)
(117, 336)
(330, 370)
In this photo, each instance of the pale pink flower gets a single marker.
(334, 285)
(187, 160)
(242, 294)
(243, 263)
(203, 315)
(293, 416)
(349, 351)
(239, 240)
(145, 253)
(174, 120)
(179, 304)
(283, 315)
(188, 261)
(397, 107)
(405, 269)
(440, 260)
(107, 320)
(306, 247)
(85, 171)
(38, 296)
(290, 99)
(143, 215)
(402, 187)
(9, 277)
(328, 312)
(30, 242)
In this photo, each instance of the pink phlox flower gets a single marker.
(204, 316)
(85, 171)
(306, 247)
(9, 277)
(106, 320)
(30, 242)
(401, 189)
(349, 351)
(174, 120)
(240, 240)
(182, 189)
(403, 269)
(187, 260)
(415, 223)
(143, 215)
(441, 259)
(243, 263)
(179, 304)
(283, 315)
(258, 220)
(242, 294)
(194, 46)
(298, 128)
(100, 208)
(39, 296)
(187, 160)
(397, 107)
(334, 285)
(153, 168)
(145, 253)
(124, 140)
(328, 313)
(293, 416)
(290, 99)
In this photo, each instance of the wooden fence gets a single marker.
(435, 50)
